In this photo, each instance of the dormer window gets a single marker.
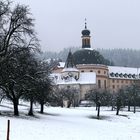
(130, 76)
(134, 76)
(125, 75)
(112, 74)
(121, 75)
(116, 75)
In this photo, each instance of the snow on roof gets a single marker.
(123, 70)
(85, 78)
(70, 69)
(91, 49)
(61, 64)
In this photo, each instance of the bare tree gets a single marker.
(70, 94)
(100, 97)
(16, 28)
(17, 40)
(133, 94)
(15, 73)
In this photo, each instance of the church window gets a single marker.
(105, 84)
(99, 83)
(88, 41)
(113, 86)
(99, 71)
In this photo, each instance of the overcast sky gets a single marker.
(113, 23)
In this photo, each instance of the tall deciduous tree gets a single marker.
(17, 38)
(15, 74)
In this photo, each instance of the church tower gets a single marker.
(70, 70)
(70, 62)
(86, 37)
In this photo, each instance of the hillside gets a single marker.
(69, 124)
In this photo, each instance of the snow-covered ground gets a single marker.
(69, 124)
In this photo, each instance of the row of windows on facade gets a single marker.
(124, 75)
(120, 81)
(113, 86)
(99, 72)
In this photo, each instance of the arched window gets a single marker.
(99, 83)
(105, 84)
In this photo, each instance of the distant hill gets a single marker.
(120, 57)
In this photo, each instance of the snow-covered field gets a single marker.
(70, 124)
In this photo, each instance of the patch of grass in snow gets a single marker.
(50, 114)
(22, 115)
(100, 118)
(124, 116)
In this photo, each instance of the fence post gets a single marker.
(8, 129)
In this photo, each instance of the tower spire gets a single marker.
(70, 62)
(86, 36)
(85, 23)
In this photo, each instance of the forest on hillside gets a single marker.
(120, 57)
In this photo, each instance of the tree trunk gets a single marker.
(118, 104)
(42, 108)
(112, 108)
(128, 105)
(62, 105)
(98, 114)
(96, 107)
(134, 108)
(69, 104)
(118, 109)
(31, 109)
(15, 103)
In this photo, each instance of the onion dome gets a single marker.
(89, 56)
(85, 32)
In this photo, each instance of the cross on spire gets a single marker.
(85, 23)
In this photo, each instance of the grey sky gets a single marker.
(113, 23)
